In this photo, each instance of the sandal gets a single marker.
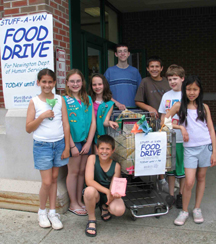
(105, 215)
(91, 228)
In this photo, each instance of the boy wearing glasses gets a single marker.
(123, 79)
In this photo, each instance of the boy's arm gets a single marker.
(162, 109)
(212, 134)
(140, 98)
(162, 119)
(89, 176)
(120, 106)
(118, 175)
(66, 129)
(87, 145)
(150, 109)
(31, 123)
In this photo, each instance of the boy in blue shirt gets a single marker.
(123, 79)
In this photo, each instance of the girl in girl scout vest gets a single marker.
(82, 129)
(103, 106)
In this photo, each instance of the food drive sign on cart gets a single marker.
(150, 153)
(26, 48)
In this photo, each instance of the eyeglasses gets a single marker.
(75, 81)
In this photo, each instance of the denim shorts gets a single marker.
(79, 146)
(197, 157)
(48, 154)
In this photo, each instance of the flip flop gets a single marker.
(77, 210)
(91, 228)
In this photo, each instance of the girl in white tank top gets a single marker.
(51, 148)
(198, 134)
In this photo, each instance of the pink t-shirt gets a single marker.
(79, 101)
(96, 105)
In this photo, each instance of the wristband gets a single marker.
(73, 146)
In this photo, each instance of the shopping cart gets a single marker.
(143, 196)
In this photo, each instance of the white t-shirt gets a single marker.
(48, 130)
(168, 100)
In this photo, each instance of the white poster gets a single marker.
(26, 47)
(60, 69)
(150, 153)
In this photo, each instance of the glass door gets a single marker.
(94, 59)
(138, 59)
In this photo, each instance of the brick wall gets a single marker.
(60, 11)
(183, 36)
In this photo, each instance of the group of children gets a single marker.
(63, 135)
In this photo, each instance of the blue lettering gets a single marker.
(157, 146)
(21, 51)
(25, 20)
(43, 49)
(32, 28)
(16, 53)
(14, 37)
(13, 85)
(39, 32)
(25, 50)
(7, 34)
(34, 52)
(4, 53)
(44, 17)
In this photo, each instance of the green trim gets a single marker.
(75, 35)
(70, 31)
(102, 19)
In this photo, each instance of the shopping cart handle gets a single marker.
(134, 213)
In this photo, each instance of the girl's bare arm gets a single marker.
(107, 122)
(32, 123)
(66, 129)
(174, 110)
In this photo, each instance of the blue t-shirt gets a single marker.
(123, 84)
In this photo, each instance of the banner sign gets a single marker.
(60, 69)
(26, 47)
(150, 153)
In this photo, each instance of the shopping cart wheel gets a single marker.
(133, 217)
(157, 210)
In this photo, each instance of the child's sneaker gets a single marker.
(164, 186)
(182, 217)
(55, 220)
(179, 201)
(43, 220)
(197, 216)
(170, 201)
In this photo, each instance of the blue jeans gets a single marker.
(48, 154)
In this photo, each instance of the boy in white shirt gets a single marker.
(175, 75)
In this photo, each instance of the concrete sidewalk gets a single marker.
(22, 227)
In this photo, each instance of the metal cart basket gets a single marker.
(143, 196)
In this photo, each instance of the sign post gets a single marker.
(60, 69)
